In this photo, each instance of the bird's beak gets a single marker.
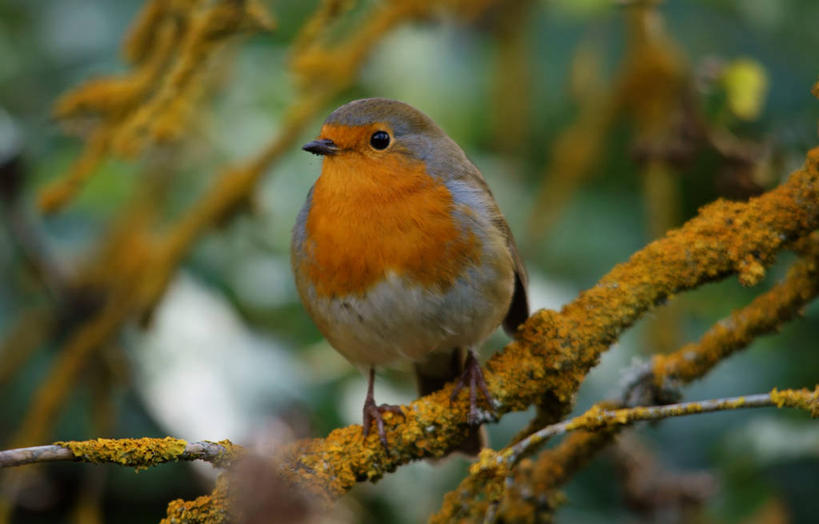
(323, 146)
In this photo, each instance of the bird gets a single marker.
(401, 254)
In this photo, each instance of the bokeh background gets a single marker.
(598, 126)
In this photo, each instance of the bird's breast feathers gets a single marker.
(394, 271)
(364, 223)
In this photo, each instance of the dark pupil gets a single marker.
(380, 140)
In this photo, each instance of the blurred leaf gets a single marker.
(746, 84)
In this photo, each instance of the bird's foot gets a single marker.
(473, 377)
(374, 412)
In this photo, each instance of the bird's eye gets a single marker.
(380, 140)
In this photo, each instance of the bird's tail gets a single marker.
(433, 374)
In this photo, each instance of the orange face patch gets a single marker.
(353, 138)
(374, 212)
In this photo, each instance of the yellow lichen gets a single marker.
(139, 453)
(207, 509)
(764, 314)
(163, 117)
(802, 399)
(170, 45)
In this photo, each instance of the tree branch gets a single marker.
(765, 314)
(599, 418)
(536, 481)
(494, 471)
(138, 453)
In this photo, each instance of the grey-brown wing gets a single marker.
(518, 310)
(519, 307)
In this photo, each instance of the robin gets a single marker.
(401, 253)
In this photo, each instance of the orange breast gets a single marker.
(368, 218)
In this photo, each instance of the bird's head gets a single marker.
(381, 130)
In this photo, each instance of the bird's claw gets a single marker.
(373, 412)
(473, 376)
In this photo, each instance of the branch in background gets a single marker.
(655, 493)
(171, 47)
(574, 152)
(22, 230)
(652, 81)
(23, 338)
(494, 470)
(136, 453)
(765, 314)
(600, 418)
(655, 89)
(163, 118)
(511, 90)
(533, 490)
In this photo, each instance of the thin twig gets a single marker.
(34, 454)
(597, 418)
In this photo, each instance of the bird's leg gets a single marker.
(372, 411)
(473, 377)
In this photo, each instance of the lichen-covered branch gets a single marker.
(655, 492)
(491, 473)
(553, 468)
(137, 453)
(601, 418)
(147, 452)
(207, 509)
(765, 314)
(522, 488)
(555, 350)
(533, 490)
(170, 46)
(650, 89)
